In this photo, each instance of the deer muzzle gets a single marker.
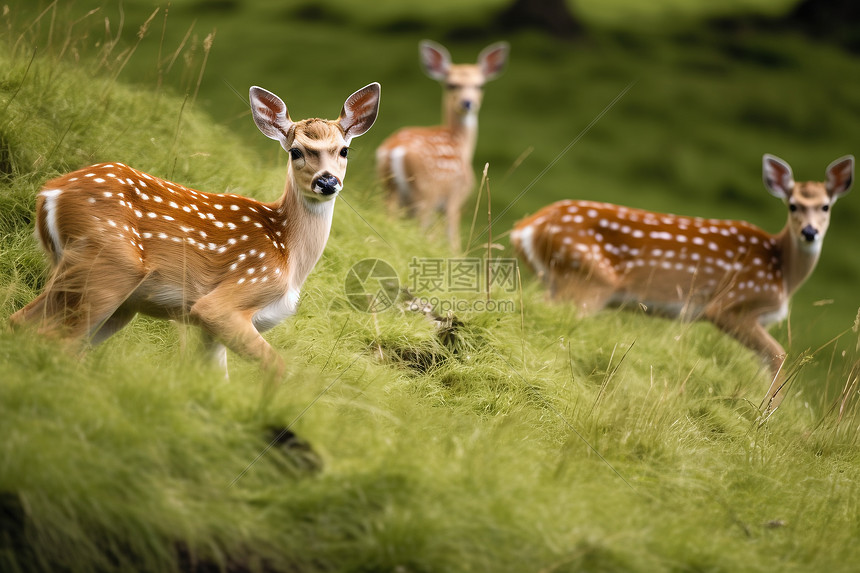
(326, 184)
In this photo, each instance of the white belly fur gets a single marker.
(275, 312)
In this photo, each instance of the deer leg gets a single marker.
(30, 313)
(215, 353)
(590, 287)
(77, 304)
(755, 337)
(452, 213)
(117, 321)
(393, 200)
(236, 331)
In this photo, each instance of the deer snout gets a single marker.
(809, 233)
(327, 184)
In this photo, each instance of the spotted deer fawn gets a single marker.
(429, 169)
(121, 241)
(731, 273)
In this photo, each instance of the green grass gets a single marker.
(536, 441)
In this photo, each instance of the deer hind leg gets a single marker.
(110, 326)
(393, 170)
(30, 313)
(452, 214)
(81, 303)
(215, 353)
(754, 336)
(386, 179)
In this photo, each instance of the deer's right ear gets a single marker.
(435, 59)
(492, 60)
(360, 111)
(271, 115)
(840, 176)
(777, 176)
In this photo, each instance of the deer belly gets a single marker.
(684, 309)
(775, 316)
(276, 311)
(160, 299)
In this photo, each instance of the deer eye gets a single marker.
(792, 207)
(295, 153)
(344, 152)
(825, 208)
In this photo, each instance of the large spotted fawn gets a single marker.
(121, 241)
(731, 273)
(429, 169)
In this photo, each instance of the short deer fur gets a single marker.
(731, 273)
(429, 169)
(122, 242)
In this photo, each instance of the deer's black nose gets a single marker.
(327, 184)
(809, 233)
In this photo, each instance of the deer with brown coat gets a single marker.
(123, 242)
(429, 169)
(730, 273)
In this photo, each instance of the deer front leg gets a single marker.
(754, 336)
(235, 329)
(590, 287)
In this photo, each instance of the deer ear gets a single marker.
(493, 59)
(271, 115)
(840, 176)
(360, 111)
(435, 59)
(777, 176)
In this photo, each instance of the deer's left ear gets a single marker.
(493, 59)
(840, 176)
(435, 59)
(271, 115)
(360, 111)
(777, 176)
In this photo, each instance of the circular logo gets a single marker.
(371, 285)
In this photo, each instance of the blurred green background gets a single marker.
(712, 86)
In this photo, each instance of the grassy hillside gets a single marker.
(521, 441)
(704, 103)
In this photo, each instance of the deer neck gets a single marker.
(464, 130)
(799, 258)
(306, 227)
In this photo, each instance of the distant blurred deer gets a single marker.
(429, 169)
